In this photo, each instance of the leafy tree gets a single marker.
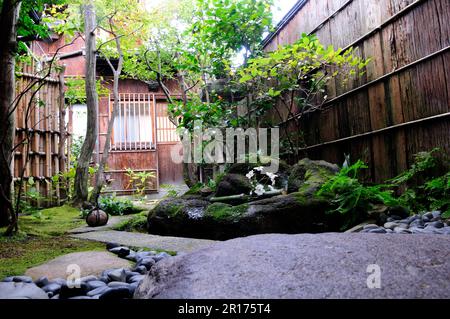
(20, 22)
(223, 28)
(292, 80)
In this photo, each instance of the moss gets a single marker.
(306, 199)
(220, 211)
(174, 210)
(195, 190)
(314, 179)
(137, 223)
(51, 222)
(19, 253)
(41, 238)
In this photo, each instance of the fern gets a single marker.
(352, 198)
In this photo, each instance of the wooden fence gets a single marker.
(401, 106)
(39, 155)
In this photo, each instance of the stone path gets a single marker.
(176, 244)
(106, 233)
(90, 263)
(113, 221)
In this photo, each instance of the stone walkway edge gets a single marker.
(139, 240)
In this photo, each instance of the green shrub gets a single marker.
(171, 191)
(117, 207)
(137, 223)
(424, 188)
(352, 198)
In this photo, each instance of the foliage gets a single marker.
(171, 191)
(117, 206)
(139, 181)
(137, 223)
(32, 14)
(292, 80)
(76, 90)
(423, 187)
(212, 115)
(30, 198)
(222, 28)
(75, 150)
(66, 180)
(352, 198)
(306, 64)
(261, 182)
(42, 239)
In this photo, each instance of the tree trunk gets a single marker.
(8, 45)
(100, 176)
(82, 173)
(63, 135)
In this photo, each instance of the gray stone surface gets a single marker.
(19, 290)
(91, 263)
(113, 221)
(177, 244)
(306, 266)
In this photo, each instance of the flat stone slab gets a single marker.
(113, 221)
(176, 244)
(307, 266)
(20, 290)
(90, 263)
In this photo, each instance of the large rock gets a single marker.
(307, 176)
(306, 266)
(21, 290)
(192, 217)
(234, 184)
(299, 212)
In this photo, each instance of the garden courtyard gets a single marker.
(224, 149)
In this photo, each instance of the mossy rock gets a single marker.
(195, 190)
(308, 176)
(233, 184)
(222, 212)
(291, 214)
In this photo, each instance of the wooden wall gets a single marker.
(156, 160)
(401, 106)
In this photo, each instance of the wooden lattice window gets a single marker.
(133, 126)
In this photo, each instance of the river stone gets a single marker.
(98, 291)
(21, 290)
(116, 293)
(41, 282)
(95, 284)
(53, 288)
(90, 263)
(306, 266)
(118, 275)
(390, 225)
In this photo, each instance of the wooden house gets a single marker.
(143, 136)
